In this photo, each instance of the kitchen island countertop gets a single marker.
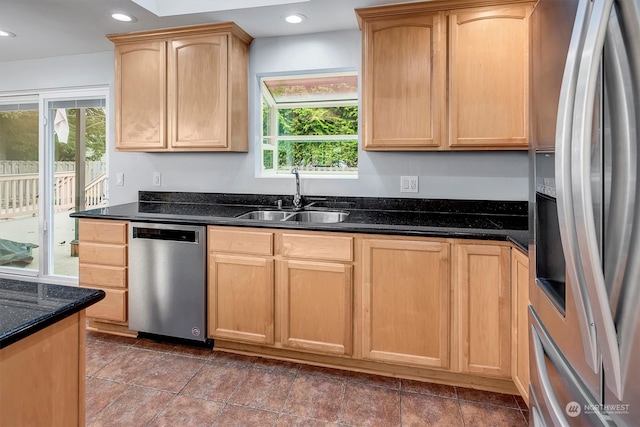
(28, 307)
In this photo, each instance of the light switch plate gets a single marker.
(157, 179)
(120, 178)
(408, 184)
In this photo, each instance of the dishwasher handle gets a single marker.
(174, 235)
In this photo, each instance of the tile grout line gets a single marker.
(175, 395)
(400, 402)
(284, 404)
(342, 402)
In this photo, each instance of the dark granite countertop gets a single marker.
(485, 220)
(27, 307)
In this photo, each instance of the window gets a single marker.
(310, 121)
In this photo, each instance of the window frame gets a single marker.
(274, 137)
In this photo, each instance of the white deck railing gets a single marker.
(19, 193)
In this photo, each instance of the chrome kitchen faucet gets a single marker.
(297, 198)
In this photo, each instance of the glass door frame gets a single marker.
(26, 98)
(46, 156)
(47, 153)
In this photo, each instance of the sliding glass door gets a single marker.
(19, 184)
(63, 140)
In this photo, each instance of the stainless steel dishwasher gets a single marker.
(167, 287)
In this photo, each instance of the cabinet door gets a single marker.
(316, 306)
(405, 302)
(519, 321)
(484, 309)
(403, 83)
(241, 298)
(140, 95)
(197, 92)
(488, 78)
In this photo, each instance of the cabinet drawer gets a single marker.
(334, 248)
(238, 241)
(103, 254)
(102, 275)
(113, 307)
(102, 231)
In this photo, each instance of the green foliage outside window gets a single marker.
(318, 121)
(96, 144)
(19, 135)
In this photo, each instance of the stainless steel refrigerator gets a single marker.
(584, 315)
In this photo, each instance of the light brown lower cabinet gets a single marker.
(315, 294)
(241, 302)
(241, 285)
(316, 306)
(42, 377)
(446, 306)
(103, 259)
(483, 304)
(405, 301)
(432, 308)
(519, 322)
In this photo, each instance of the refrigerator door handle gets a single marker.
(622, 192)
(568, 233)
(627, 315)
(583, 202)
(555, 411)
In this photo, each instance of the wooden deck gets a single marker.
(19, 193)
(25, 230)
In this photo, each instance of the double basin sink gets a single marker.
(298, 216)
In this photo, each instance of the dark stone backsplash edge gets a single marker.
(475, 207)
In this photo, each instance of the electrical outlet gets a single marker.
(120, 178)
(408, 184)
(157, 179)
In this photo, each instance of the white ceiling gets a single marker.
(46, 28)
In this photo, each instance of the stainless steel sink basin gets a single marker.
(266, 215)
(304, 216)
(319, 216)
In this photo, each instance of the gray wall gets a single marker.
(476, 175)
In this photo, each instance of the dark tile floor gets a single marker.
(139, 382)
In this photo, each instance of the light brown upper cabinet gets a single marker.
(489, 78)
(403, 82)
(182, 89)
(441, 75)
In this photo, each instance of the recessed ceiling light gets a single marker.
(5, 33)
(123, 18)
(295, 18)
